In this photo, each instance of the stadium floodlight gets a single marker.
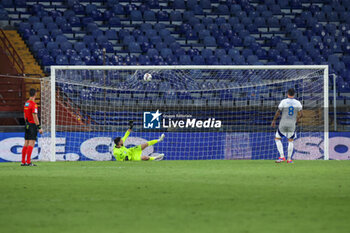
(206, 112)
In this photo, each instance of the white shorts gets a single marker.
(289, 135)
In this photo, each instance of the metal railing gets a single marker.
(12, 54)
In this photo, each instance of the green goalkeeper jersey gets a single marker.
(121, 153)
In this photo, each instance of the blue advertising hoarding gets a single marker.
(75, 146)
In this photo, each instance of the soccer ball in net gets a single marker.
(147, 77)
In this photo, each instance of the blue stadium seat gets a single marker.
(205, 4)
(60, 39)
(66, 45)
(24, 26)
(209, 41)
(51, 46)
(97, 15)
(74, 60)
(33, 19)
(114, 21)
(78, 8)
(84, 52)
(118, 9)
(7, 3)
(142, 39)
(47, 60)
(86, 20)
(179, 4)
(152, 52)
(150, 33)
(78, 46)
(166, 52)
(225, 60)
(190, 4)
(128, 39)
(145, 26)
(161, 45)
(111, 34)
(38, 45)
(222, 9)
(91, 27)
(107, 14)
(47, 19)
(134, 47)
(155, 40)
(169, 40)
(60, 20)
(174, 46)
(42, 52)
(175, 16)
(252, 59)
(68, 14)
(55, 52)
(238, 60)
(32, 39)
(52, 26)
(136, 15)
(75, 21)
(185, 60)
(88, 39)
(149, 15)
(236, 41)
(187, 15)
(62, 60)
(164, 33)
(108, 46)
(144, 60)
(162, 16)
(145, 46)
(37, 26)
(198, 60)
(220, 52)
(66, 28)
(89, 8)
(101, 39)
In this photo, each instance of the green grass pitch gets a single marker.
(176, 196)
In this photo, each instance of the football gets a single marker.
(147, 77)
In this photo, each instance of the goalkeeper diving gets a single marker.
(121, 153)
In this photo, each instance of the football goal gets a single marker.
(206, 112)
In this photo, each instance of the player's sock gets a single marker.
(24, 152)
(161, 138)
(290, 150)
(151, 143)
(280, 148)
(29, 153)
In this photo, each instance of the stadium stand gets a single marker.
(200, 32)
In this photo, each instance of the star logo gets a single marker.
(151, 120)
(156, 115)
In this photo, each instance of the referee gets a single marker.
(32, 126)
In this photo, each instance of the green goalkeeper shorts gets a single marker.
(136, 153)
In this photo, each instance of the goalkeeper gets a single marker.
(121, 153)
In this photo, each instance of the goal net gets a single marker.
(206, 112)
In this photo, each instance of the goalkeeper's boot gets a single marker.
(159, 157)
(23, 164)
(31, 165)
(290, 161)
(280, 160)
(161, 138)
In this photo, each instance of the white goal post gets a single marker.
(259, 78)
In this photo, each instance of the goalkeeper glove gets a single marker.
(131, 124)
